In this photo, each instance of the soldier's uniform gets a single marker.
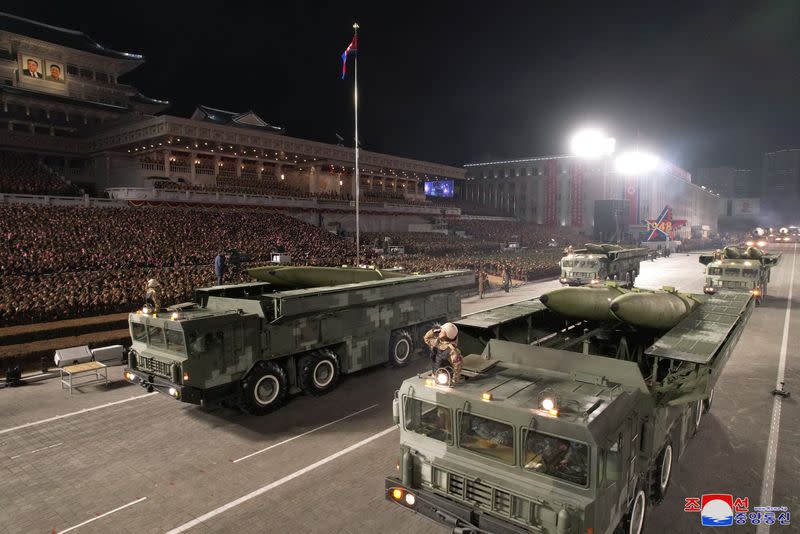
(444, 353)
(482, 279)
(151, 295)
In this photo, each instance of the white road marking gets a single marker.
(37, 450)
(304, 434)
(279, 482)
(64, 416)
(768, 480)
(103, 515)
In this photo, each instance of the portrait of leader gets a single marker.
(55, 72)
(32, 67)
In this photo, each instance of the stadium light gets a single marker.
(591, 143)
(636, 163)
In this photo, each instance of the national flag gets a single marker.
(352, 47)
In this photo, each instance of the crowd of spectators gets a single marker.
(23, 174)
(64, 262)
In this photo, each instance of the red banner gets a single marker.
(577, 196)
(632, 196)
(550, 189)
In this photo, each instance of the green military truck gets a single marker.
(252, 345)
(563, 425)
(597, 263)
(734, 269)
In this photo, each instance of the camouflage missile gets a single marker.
(291, 276)
(659, 311)
(587, 302)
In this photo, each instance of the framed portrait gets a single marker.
(32, 67)
(55, 71)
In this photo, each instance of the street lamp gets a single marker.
(636, 163)
(591, 143)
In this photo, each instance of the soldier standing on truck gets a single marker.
(151, 295)
(444, 352)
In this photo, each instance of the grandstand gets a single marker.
(100, 190)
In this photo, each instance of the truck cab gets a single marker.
(551, 445)
(737, 275)
(582, 269)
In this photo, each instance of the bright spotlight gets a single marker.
(636, 163)
(591, 143)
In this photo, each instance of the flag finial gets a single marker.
(355, 25)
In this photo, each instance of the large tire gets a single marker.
(400, 348)
(265, 388)
(707, 402)
(661, 474)
(319, 372)
(633, 522)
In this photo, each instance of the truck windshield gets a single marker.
(712, 271)
(175, 341)
(139, 332)
(487, 437)
(205, 344)
(750, 273)
(156, 336)
(732, 272)
(566, 263)
(428, 419)
(557, 457)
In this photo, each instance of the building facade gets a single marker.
(729, 182)
(562, 190)
(780, 187)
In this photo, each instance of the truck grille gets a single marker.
(485, 496)
(155, 366)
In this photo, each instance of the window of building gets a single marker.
(101, 77)
(72, 69)
(86, 73)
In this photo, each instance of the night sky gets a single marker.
(701, 83)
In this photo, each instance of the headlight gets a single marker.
(410, 499)
(548, 404)
(146, 309)
(397, 494)
(563, 280)
(762, 243)
(443, 377)
(749, 243)
(595, 281)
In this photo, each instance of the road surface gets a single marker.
(120, 460)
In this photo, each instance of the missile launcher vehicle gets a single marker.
(563, 424)
(292, 276)
(253, 344)
(597, 263)
(735, 269)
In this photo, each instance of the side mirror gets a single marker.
(396, 410)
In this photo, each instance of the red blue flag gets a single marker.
(351, 48)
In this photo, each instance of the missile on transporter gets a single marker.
(658, 311)
(587, 302)
(291, 276)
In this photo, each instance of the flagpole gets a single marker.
(358, 180)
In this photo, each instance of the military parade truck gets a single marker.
(252, 344)
(734, 269)
(566, 422)
(597, 263)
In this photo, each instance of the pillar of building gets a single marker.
(239, 165)
(192, 163)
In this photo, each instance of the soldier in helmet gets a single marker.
(151, 297)
(444, 351)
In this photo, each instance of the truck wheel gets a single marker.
(662, 474)
(265, 388)
(698, 414)
(319, 373)
(400, 348)
(633, 522)
(707, 403)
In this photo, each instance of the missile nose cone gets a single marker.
(543, 299)
(614, 306)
